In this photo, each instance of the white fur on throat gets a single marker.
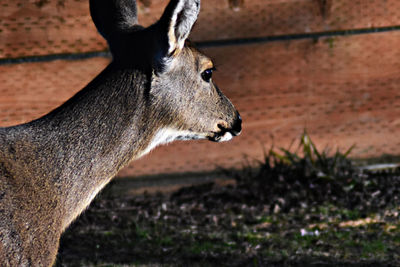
(167, 135)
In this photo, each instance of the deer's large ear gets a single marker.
(177, 22)
(113, 17)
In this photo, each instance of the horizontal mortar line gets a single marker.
(52, 57)
(206, 44)
(316, 35)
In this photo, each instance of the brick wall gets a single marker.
(332, 67)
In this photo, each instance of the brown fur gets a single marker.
(51, 168)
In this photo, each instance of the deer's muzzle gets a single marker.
(227, 133)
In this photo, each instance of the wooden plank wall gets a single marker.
(283, 68)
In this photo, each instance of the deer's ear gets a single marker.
(113, 17)
(177, 22)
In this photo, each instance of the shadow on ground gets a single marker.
(272, 216)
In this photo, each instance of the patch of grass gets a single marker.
(309, 176)
(374, 247)
(254, 238)
(142, 233)
(346, 214)
(166, 241)
(315, 163)
(202, 247)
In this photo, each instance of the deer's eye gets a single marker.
(207, 74)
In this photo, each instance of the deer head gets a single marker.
(180, 93)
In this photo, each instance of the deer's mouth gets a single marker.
(223, 136)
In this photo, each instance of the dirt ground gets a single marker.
(281, 215)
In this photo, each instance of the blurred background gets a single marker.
(329, 66)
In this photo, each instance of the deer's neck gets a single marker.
(86, 141)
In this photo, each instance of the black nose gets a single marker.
(237, 125)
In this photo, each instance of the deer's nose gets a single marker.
(237, 125)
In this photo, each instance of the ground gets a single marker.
(312, 210)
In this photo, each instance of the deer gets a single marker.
(158, 88)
